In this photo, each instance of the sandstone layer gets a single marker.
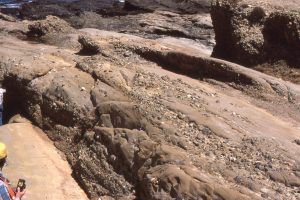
(37, 161)
(153, 119)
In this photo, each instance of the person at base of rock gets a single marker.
(6, 191)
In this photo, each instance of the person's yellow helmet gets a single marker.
(3, 151)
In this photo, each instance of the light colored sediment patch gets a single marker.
(33, 157)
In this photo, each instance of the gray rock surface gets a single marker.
(190, 6)
(149, 19)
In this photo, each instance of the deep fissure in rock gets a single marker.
(13, 101)
(18, 100)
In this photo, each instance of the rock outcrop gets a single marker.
(48, 26)
(7, 17)
(255, 32)
(130, 131)
(190, 6)
(154, 118)
(149, 19)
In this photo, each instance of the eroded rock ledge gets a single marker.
(255, 32)
(131, 128)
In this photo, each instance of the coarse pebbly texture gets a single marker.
(152, 118)
(256, 32)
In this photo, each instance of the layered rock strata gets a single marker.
(154, 119)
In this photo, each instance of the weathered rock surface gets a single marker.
(48, 26)
(256, 32)
(7, 17)
(149, 19)
(190, 6)
(156, 119)
(42, 8)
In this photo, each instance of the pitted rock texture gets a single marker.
(51, 24)
(256, 32)
(156, 119)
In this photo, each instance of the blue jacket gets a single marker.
(3, 191)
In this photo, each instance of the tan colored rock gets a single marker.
(36, 160)
(50, 25)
